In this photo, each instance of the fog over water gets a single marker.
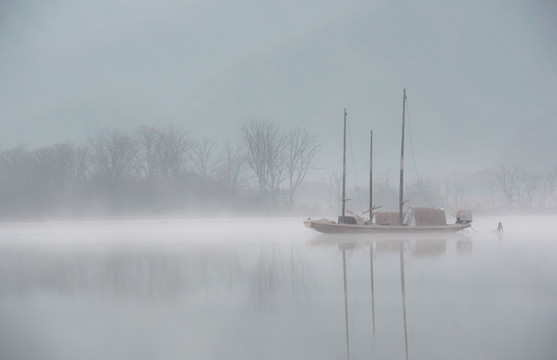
(258, 288)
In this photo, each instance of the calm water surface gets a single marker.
(271, 289)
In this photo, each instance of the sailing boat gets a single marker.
(415, 220)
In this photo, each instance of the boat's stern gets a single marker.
(464, 217)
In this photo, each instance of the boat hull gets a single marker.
(326, 227)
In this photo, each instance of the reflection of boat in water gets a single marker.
(351, 245)
(432, 247)
(464, 246)
(416, 219)
(416, 246)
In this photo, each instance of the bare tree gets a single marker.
(71, 156)
(301, 147)
(15, 164)
(16, 179)
(56, 173)
(146, 160)
(507, 182)
(551, 186)
(172, 151)
(112, 154)
(528, 188)
(202, 157)
(48, 170)
(265, 154)
(231, 168)
(75, 163)
(453, 190)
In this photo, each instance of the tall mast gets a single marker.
(400, 197)
(371, 176)
(344, 169)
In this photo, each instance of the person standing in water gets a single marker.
(499, 231)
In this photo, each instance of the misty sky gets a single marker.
(475, 72)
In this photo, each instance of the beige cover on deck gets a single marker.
(386, 218)
(425, 217)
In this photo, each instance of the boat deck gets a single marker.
(328, 227)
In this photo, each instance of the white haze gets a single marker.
(254, 288)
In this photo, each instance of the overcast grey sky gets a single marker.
(475, 71)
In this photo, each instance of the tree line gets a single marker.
(158, 170)
(503, 187)
(162, 170)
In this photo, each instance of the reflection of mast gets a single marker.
(372, 290)
(403, 299)
(345, 304)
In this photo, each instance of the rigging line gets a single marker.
(414, 157)
(354, 164)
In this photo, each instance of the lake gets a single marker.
(271, 289)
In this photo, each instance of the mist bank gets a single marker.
(164, 171)
(158, 171)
